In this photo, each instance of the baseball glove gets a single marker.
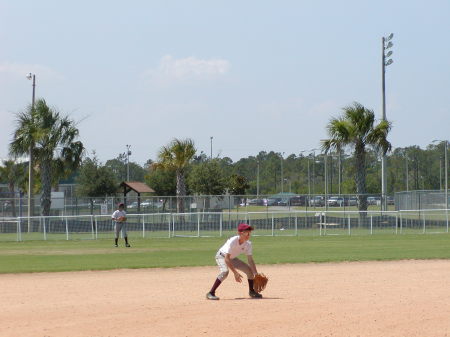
(260, 282)
(122, 218)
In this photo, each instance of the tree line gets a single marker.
(346, 163)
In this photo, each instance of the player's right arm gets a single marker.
(237, 276)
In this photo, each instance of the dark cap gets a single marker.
(244, 227)
(121, 204)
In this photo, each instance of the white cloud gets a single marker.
(188, 69)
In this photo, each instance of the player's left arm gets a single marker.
(251, 264)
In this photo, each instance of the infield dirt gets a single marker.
(398, 298)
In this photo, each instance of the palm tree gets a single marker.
(355, 128)
(13, 174)
(52, 140)
(177, 156)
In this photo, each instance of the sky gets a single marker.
(254, 75)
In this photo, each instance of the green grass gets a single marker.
(51, 256)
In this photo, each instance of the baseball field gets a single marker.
(380, 285)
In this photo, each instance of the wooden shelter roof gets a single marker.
(136, 186)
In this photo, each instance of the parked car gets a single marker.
(256, 202)
(390, 200)
(283, 202)
(273, 201)
(352, 201)
(373, 200)
(316, 201)
(298, 200)
(335, 202)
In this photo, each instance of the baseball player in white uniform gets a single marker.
(119, 218)
(227, 260)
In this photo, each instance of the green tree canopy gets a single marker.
(50, 138)
(207, 178)
(356, 128)
(95, 180)
(176, 157)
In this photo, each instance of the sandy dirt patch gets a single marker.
(400, 298)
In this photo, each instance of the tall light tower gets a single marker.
(385, 61)
(31, 76)
(211, 138)
(257, 179)
(309, 175)
(128, 161)
(282, 180)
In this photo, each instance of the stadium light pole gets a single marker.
(309, 176)
(32, 77)
(282, 181)
(406, 170)
(326, 180)
(128, 162)
(211, 139)
(313, 151)
(446, 169)
(385, 61)
(257, 179)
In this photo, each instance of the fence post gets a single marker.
(67, 230)
(45, 230)
(349, 226)
(19, 230)
(423, 220)
(272, 225)
(198, 224)
(396, 222)
(371, 224)
(446, 212)
(170, 222)
(220, 224)
(401, 223)
(296, 226)
(143, 226)
(92, 226)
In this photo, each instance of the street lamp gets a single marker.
(128, 162)
(313, 170)
(288, 181)
(282, 182)
(385, 61)
(257, 179)
(309, 176)
(446, 170)
(211, 139)
(31, 76)
(406, 170)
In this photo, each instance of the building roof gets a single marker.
(137, 186)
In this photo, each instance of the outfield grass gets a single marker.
(51, 256)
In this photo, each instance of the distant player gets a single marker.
(227, 260)
(120, 217)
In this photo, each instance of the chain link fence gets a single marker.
(62, 206)
(224, 224)
(420, 200)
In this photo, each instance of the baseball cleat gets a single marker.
(127, 245)
(254, 294)
(210, 296)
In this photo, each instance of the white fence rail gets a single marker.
(218, 224)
